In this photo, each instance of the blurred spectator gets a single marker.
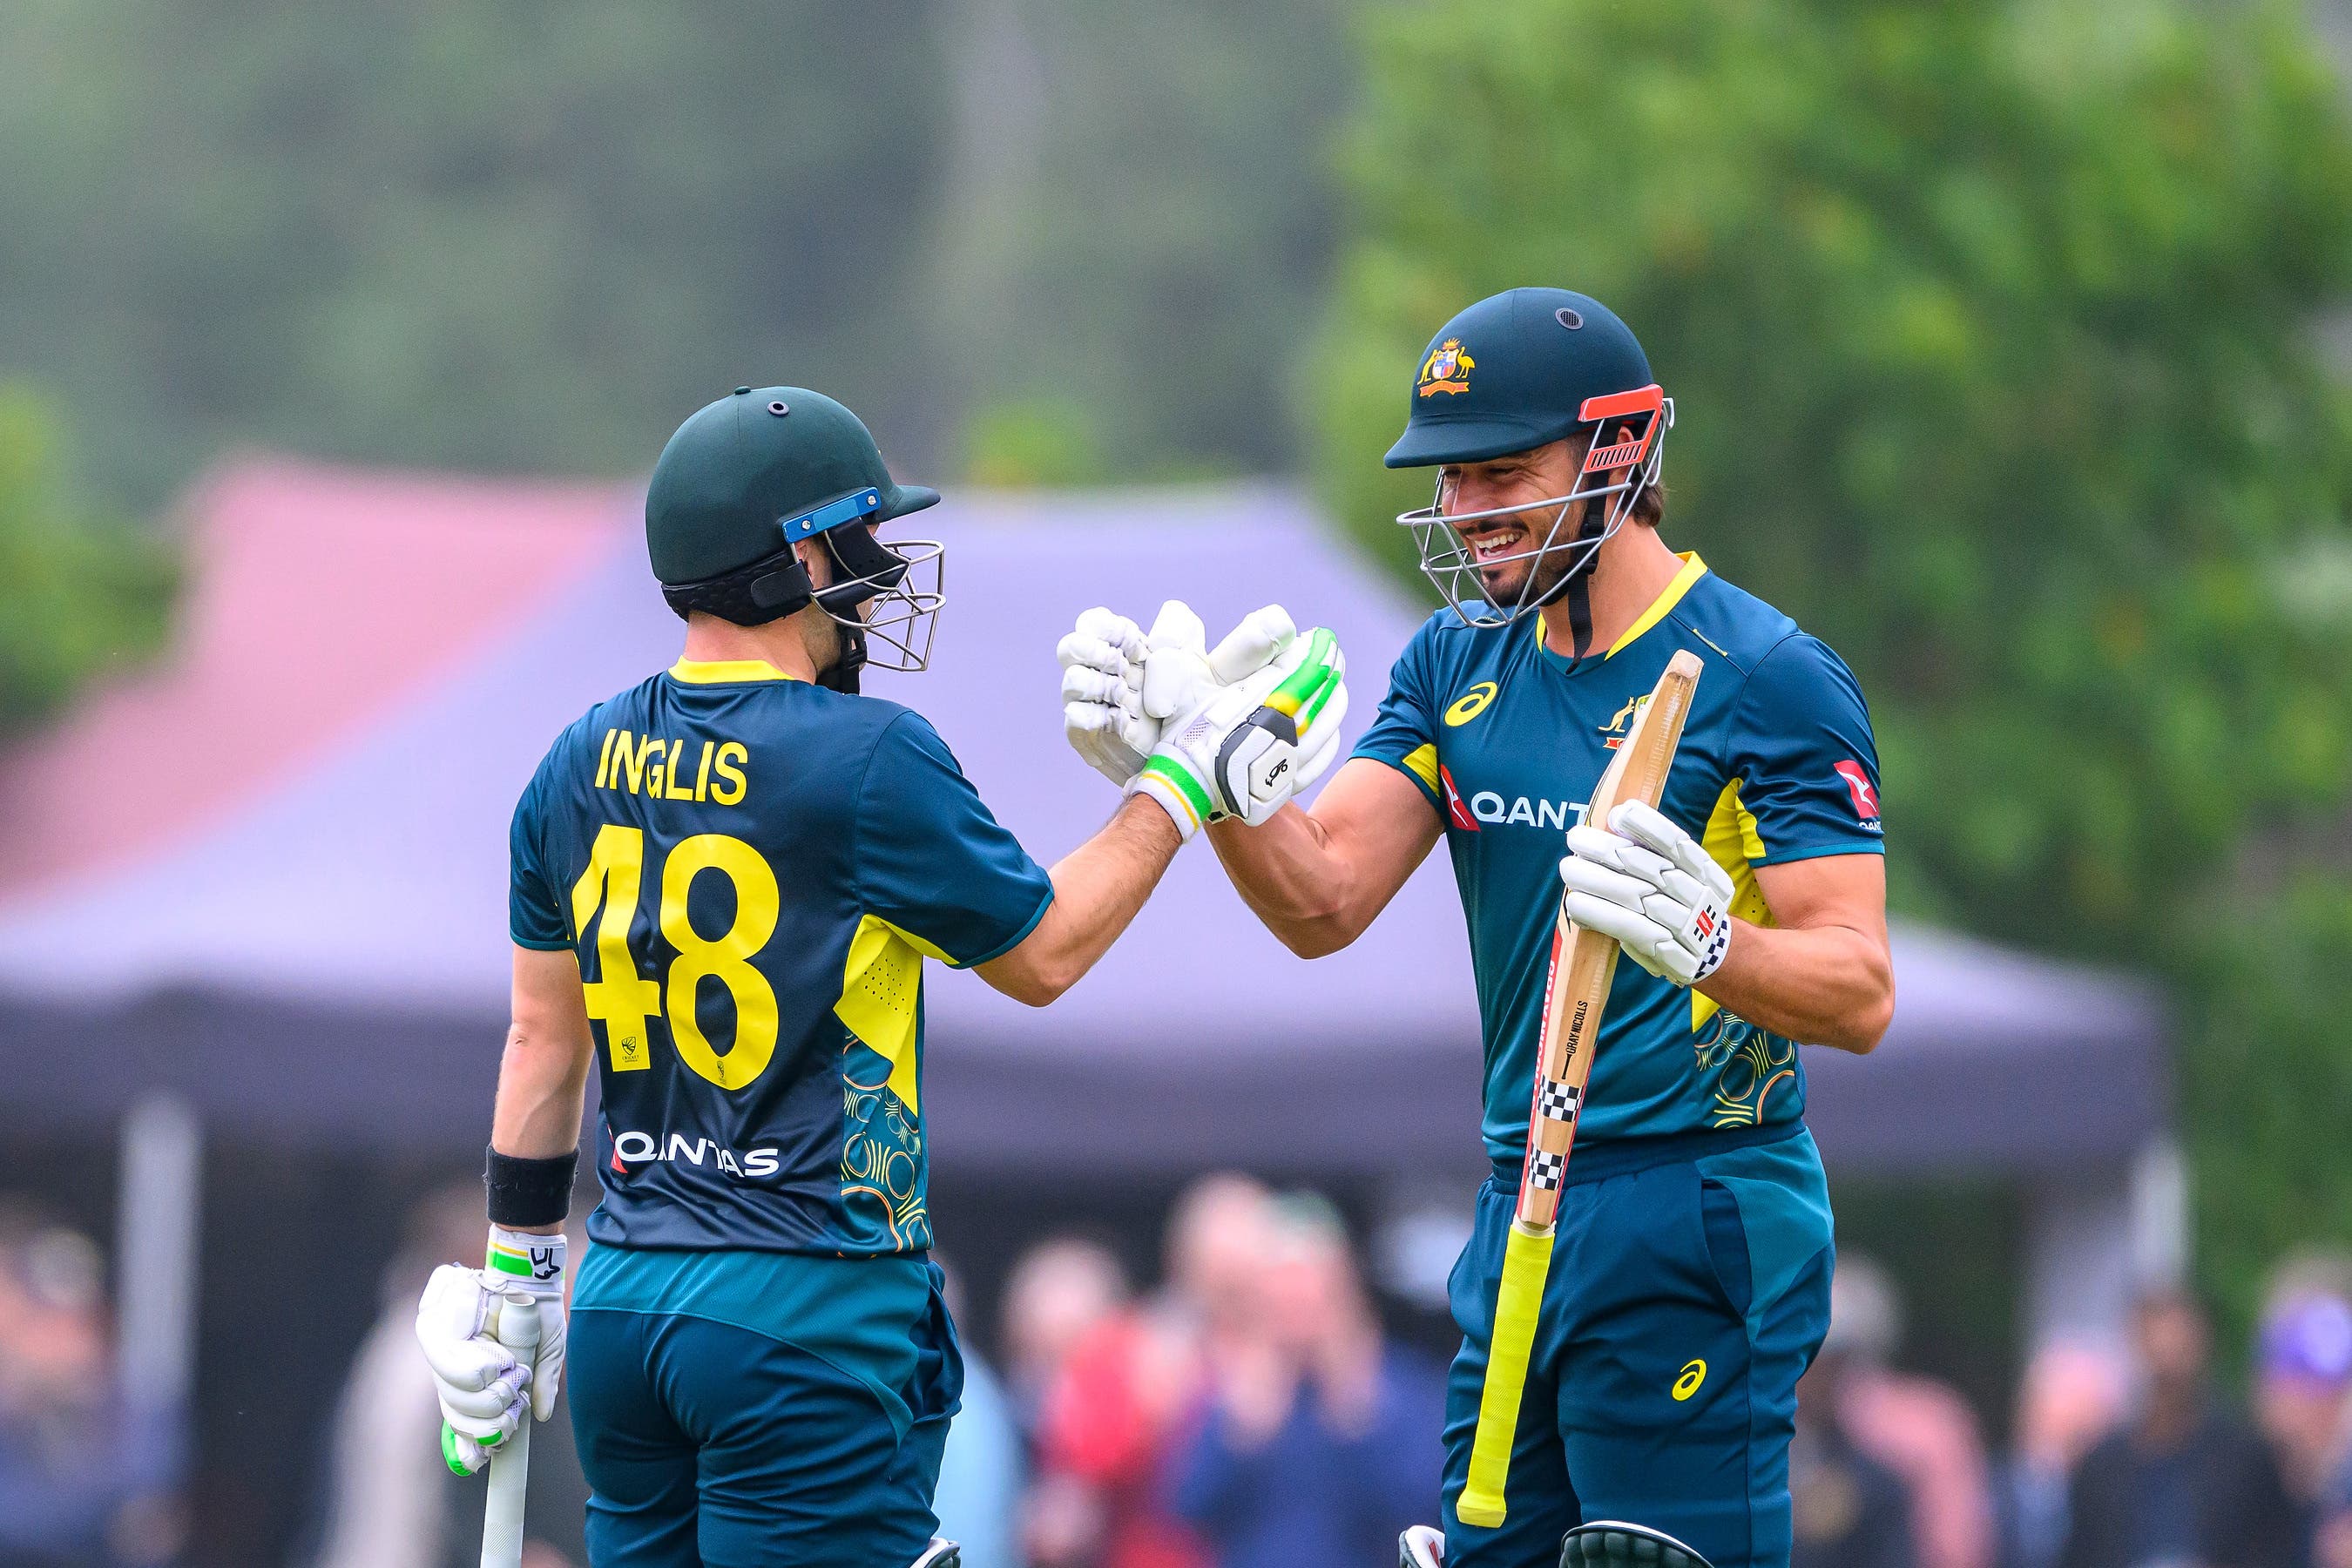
(2071, 1397)
(2181, 1482)
(83, 1479)
(1919, 1428)
(978, 1498)
(1055, 1295)
(1319, 1444)
(2302, 1386)
(391, 1502)
(1847, 1509)
(1110, 1419)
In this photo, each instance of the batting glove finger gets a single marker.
(1641, 937)
(465, 1456)
(1255, 643)
(1321, 747)
(1117, 634)
(1651, 828)
(1589, 877)
(1083, 683)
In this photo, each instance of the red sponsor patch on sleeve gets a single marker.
(1864, 792)
(1456, 814)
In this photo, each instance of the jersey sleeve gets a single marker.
(1803, 752)
(931, 861)
(1403, 733)
(534, 908)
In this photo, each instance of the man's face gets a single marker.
(2172, 1343)
(1526, 481)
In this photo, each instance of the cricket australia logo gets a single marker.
(1612, 733)
(1447, 368)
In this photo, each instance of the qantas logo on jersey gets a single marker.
(1457, 813)
(1864, 792)
(643, 1149)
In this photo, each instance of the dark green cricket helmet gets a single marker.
(756, 472)
(741, 467)
(1517, 370)
(1514, 372)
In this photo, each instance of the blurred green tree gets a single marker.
(1992, 333)
(519, 236)
(81, 594)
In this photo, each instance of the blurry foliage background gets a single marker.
(1995, 331)
(1992, 333)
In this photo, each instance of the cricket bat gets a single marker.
(1577, 990)
(514, 1324)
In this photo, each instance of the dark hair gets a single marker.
(1650, 506)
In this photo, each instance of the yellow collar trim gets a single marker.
(715, 671)
(1693, 570)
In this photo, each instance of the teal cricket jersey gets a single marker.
(1507, 739)
(751, 871)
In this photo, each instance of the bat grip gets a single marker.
(516, 1326)
(1518, 1301)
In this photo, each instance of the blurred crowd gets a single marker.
(1249, 1413)
(2121, 1456)
(1247, 1410)
(85, 1474)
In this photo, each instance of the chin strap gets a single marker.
(1579, 586)
(842, 675)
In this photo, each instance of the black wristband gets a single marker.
(530, 1192)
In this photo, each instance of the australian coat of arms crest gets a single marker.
(1447, 369)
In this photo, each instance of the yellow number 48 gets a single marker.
(627, 1003)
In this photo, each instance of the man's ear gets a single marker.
(816, 560)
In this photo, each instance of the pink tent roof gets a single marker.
(318, 598)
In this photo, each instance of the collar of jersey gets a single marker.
(722, 671)
(1693, 570)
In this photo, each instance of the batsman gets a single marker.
(1688, 1280)
(726, 881)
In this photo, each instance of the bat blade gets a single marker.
(1583, 964)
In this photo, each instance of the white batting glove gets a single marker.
(1120, 682)
(485, 1392)
(1102, 694)
(1252, 745)
(1648, 884)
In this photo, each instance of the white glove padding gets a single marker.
(1102, 694)
(1649, 885)
(1252, 745)
(1118, 683)
(484, 1390)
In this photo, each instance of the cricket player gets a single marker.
(724, 882)
(1689, 1282)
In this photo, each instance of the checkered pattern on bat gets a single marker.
(1545, 1170)
(1557, 1102)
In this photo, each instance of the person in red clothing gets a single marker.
(1131, 1384)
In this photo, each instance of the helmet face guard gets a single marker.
(1455, 568)
(882, 596)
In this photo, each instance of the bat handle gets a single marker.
(516, 1326)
